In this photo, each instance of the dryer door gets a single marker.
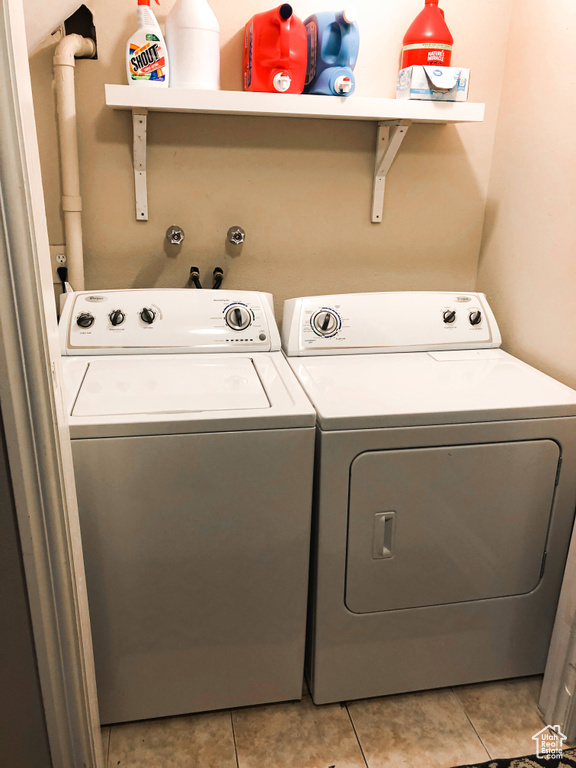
(429, 526)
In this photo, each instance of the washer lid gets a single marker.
(422, 388)
(181, 385)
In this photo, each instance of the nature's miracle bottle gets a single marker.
(428, 39)
(146, 56)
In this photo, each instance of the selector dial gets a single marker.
(238, 317)
(147, 315)
(325, 322)
(117, 317)
(449, 315)
(85, 320)
(475, 317)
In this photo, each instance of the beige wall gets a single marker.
(300, 188)
(42, 18)
(528, 260)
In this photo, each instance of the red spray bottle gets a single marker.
(428, 39)
(275, 52)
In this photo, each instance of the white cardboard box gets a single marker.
(433, 83)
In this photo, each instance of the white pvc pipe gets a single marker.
(67, 50)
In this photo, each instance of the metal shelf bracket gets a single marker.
(389, 138)
(139, 128)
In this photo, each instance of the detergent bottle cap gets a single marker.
(350, 14)
(147, 2)
(282, 81)
(343, 85)
(285, 11)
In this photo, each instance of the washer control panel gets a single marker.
(168, 320)
(388, 322)
(326, 322)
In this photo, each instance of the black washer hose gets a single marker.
(218, 277)
(63, 275)
(195, 276)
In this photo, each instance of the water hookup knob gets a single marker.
(236, 235)
(175, 235)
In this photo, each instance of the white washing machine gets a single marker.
(446, 477)
(193, 450)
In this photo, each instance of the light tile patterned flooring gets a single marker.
(432, 729)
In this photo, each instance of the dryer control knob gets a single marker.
(325, 322)
(147, 315)
(85, 320)
(475, 317)
(449, 316)
(117, 317)
(238, 317)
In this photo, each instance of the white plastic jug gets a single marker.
(193, 41)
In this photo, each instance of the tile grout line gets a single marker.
(356, 734)
(472, 724)
(234, 739)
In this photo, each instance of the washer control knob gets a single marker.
(238, 317)
(147, 315)
(475, 317)
(85, 320)
(117, 317)
(325, 322)
(449, 315)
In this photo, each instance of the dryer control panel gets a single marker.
(410, 321)
(168, 320)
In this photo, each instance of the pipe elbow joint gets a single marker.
(72, 47)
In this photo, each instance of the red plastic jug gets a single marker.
(428, 39)
(275, 52)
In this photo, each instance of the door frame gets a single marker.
(37, 435)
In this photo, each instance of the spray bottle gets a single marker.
(428, 39)
(146, 55)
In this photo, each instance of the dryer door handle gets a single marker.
(384, 535)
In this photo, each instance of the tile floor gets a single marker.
(435, 729)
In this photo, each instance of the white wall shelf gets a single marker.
(393, 116)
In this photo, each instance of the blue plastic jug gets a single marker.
(333, 42)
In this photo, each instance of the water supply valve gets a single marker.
(175, 235)
(236, 235)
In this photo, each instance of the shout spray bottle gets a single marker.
(146, 55)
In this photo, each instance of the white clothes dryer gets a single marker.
(193, 450)
(446, 484)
